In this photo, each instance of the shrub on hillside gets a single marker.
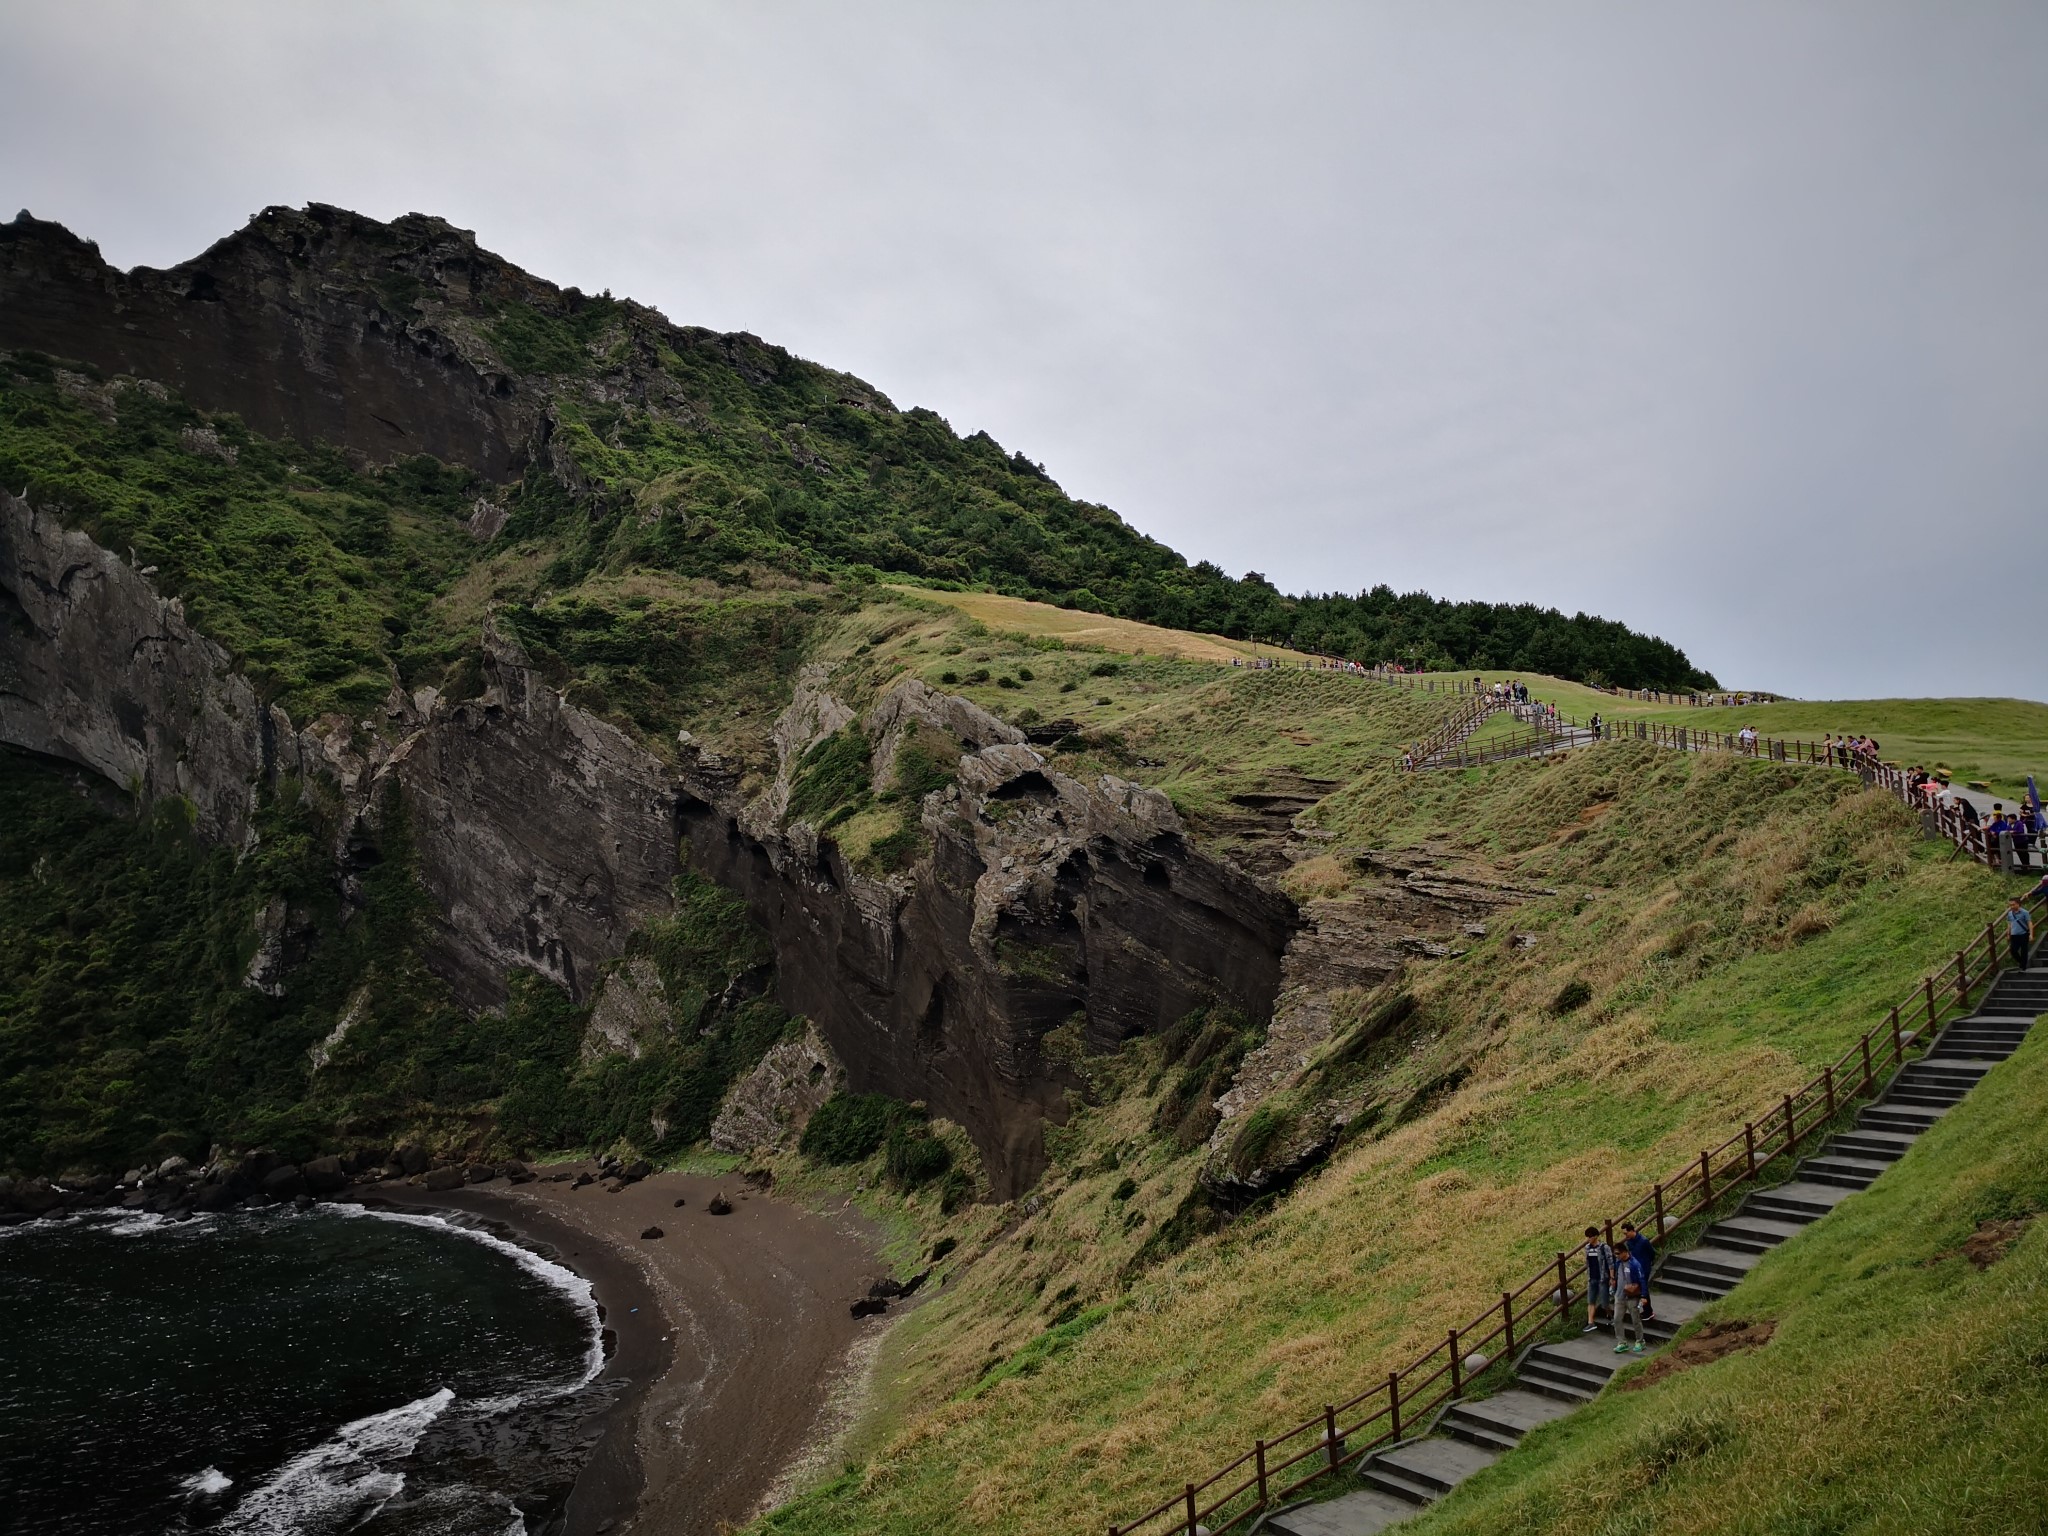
(849, 1127)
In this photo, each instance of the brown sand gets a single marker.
(741, 1326)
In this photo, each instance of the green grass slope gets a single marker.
(1903, 1391)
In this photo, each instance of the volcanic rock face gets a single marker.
(1045, 905)
(543, 833)
(97, 669)
(254, 326)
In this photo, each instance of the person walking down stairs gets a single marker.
(2019, 928)
(1644, 1253)
(1632, 1285)
(1599, 1278)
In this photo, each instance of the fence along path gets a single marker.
(1400, 1407)
(1550, 731)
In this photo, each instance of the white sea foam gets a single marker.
(211, 1481)
(559, 1276)
(340, 1482)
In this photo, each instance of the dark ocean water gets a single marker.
(283, 1372)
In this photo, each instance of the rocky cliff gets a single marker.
(258, 325)
(1048, 918)
(1045, 917)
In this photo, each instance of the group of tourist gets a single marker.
(1618, 1285)
(1850, 751)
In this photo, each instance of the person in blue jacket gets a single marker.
(1631, 1295)
(1644, 1254)
(1599, 1278)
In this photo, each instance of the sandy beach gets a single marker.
(729, 1331)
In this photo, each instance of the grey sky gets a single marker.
(1726, 320)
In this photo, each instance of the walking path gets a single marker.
(1553, 1379)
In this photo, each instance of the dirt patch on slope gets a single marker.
(1714, 1342)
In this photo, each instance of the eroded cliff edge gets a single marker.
(1043, 917)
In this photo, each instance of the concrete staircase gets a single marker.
(1553, 1379)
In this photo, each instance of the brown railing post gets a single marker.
(1394, 1400)
(1564, 1288)
(1827, 1077)
(1330, 1435)
(1262, 1472)
(1457, 1367)
(1507, 1316)
(1191, 1509)
(1791, 1125)
(1706, 1180)
(1660, 1214)
(1898, 1040)
(1927, 987)
(1869, 1072)
(1749, 1145)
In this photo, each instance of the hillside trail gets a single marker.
(1553, 1379)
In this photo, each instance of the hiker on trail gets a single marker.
(1632, 1294)
(1599, 1278)
(1594, 725)
(2019, 930)
(1645, 1254)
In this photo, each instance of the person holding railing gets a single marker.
(1645, 1254)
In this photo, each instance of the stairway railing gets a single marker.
(1344, 1433)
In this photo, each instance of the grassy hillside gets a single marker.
(1902, 1390)
(1731, 924)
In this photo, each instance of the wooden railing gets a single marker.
(1389, 1410)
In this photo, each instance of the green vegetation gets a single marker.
(1901, 1391)
(316, 575)
(126, 1029)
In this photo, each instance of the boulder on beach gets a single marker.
(868, 1306)
(680, 1202)
(412, 1161)
(580, 1180)
(886, 1287)
(441, 1180)
(639, 1168)
(284, 1182)
(324, 1175)
(652, 1232)
(480, 1173)
(517, 1172)
(719, 1206)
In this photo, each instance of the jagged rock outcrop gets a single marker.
(769, 1107)
(98, 669)
(1044, 905)
(256, 325)
(631, 1013)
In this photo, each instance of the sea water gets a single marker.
(287, 1373)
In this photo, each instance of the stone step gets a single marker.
(1393, 1481)
(1906, 1119)
(1704, 1287)
(1364, 1513)
(1561, 1385)
(1436, 1465)
(1751, 1234)
(1709, 1259)
(1497, 1422)
(1926, 1098)
(1963, 1040)
(1849, 1172)
(1794, 1201)
(1879, 1146)
(1957, 1069)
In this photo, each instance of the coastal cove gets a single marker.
(405, 1364)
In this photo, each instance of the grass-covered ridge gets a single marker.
(1901, 1392)
(1722, 927)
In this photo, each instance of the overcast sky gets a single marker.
(1726, 320)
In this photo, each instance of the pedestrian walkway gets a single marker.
(1553, 1379)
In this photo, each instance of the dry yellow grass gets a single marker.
(1022, 616)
